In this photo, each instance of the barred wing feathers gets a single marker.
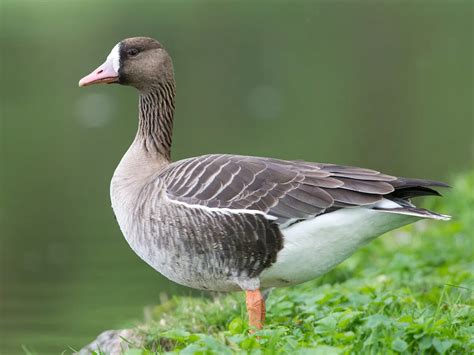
(287, 190)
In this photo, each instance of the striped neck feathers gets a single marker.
(155, 119)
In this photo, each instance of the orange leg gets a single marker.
(255, 308)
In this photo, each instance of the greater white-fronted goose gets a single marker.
(228, 222)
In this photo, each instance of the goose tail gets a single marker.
(417, 212)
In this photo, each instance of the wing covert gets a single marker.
(287, 190)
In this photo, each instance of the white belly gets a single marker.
(313, 247)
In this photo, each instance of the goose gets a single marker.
(225, 222)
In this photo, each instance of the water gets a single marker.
(387, 86)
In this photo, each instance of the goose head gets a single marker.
(141, 62)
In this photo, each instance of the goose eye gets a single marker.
(132, 52)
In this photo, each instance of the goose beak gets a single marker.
(103, 74)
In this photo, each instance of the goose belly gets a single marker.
(198, 247)
(313, 247)
(175, 254)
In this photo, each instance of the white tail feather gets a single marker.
(417, 212)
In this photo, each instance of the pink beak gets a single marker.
(103, 74)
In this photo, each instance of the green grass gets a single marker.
(407, 292)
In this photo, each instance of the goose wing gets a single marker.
(286, 190)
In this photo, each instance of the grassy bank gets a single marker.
(407, 292)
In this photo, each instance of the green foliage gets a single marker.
(408, 292)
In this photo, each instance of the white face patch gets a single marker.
(114, 57)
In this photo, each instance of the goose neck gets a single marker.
(155, 120)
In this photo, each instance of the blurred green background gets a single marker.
(381, 84)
